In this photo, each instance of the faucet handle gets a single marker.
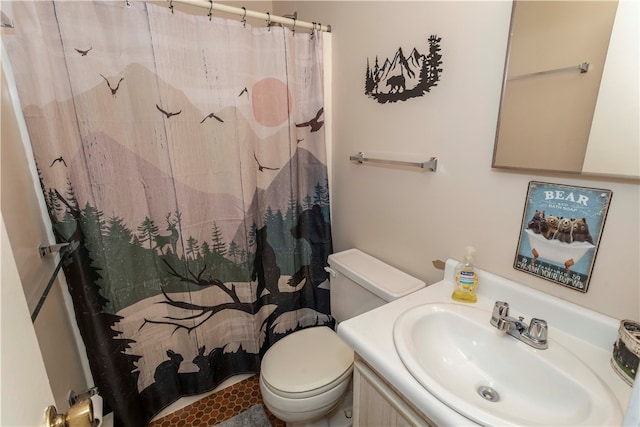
(500, 311)
(537, 331)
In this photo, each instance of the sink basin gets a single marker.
(494, 379)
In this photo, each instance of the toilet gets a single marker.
(306, 375)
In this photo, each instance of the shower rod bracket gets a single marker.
(46, 250)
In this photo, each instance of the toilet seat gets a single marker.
(321, 362)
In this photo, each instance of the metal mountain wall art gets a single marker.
(405, 77)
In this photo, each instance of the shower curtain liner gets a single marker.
(184, 159)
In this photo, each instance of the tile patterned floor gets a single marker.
(218, 407)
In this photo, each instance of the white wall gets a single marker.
(25, 390)
(409, 218)
(28, 228)
(613, 141)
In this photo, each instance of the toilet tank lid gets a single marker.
(385, 281)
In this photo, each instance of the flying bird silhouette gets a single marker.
(260, 167)
(212, 116)
(168, 114)
(314, 123)
(113, 90)
(83, 52)
(59, 159)
(243, 91)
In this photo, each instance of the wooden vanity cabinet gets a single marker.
(377, 403)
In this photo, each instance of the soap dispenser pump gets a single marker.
(466, 277)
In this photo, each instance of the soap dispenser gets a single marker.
(466, 277)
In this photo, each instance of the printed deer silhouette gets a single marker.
(172, 239)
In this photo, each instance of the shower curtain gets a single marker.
(183, 159)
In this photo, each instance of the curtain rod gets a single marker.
(246, 13)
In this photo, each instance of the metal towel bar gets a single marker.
(430, 165)
(583, 68)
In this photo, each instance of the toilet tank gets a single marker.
(360, 282)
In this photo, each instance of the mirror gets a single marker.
(570, 93)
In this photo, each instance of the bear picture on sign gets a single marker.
(561, 229)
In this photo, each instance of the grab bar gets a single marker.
(63, 249)
(430, 165)
(583, 68)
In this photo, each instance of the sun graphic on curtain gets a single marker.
(271, 102)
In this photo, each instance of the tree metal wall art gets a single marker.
(404, 77)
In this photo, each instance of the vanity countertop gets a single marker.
(586, 333)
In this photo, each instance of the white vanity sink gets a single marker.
(492, 378)
(437, 353)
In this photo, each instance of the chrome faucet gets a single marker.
(534, 334)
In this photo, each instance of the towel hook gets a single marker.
(210, 9)
(244, 17)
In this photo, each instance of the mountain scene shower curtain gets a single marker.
(183, 159)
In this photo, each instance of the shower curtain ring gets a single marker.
(313, 29)
(244, 17)
(171, 6)
(210, 9)
(293, 30)
(269, 21)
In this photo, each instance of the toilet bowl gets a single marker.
(306, 375)
(304, 385)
